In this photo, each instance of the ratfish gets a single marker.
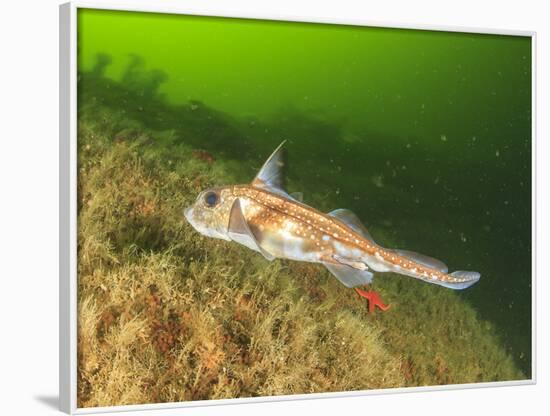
(265, 218)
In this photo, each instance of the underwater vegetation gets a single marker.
(166, 315)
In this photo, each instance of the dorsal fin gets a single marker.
(350, 219)
(424, 260)
(271, 175)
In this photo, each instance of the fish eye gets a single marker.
(211, 198)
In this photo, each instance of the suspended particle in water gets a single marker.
(463, 237)
(443, 138)
(497, 153)
(474, 138)
(337, 191)
(378, 180)
(387, 223)
(408, 146)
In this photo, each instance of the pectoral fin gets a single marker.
(239, 231)
(349, 276)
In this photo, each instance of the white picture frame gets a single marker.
(68, 207)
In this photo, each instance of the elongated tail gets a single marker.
(353, 272)
(432, 271)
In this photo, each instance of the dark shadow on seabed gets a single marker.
(413, 195)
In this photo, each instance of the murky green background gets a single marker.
(425, 135)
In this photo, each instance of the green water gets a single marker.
(425, 135)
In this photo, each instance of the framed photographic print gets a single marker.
(256, 209)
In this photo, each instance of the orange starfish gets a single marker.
(374, 300)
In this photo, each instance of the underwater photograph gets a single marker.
(273, 208)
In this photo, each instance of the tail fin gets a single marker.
(463, 280)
